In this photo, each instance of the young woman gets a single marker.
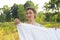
(31, 15)
(31, 30)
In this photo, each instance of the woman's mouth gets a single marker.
(29, 17)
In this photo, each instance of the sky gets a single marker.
(11, 2)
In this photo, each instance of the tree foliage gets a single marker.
(30, 4)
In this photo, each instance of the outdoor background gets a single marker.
(48, 14)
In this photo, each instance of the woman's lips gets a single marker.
(29, 17)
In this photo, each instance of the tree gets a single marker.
(2, 18)
(14, 10)
(58, 17)
(53, 5)
(21, 12)
(7, 13)
(40, 17)
(30, 4)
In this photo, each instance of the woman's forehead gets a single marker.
(29, 11)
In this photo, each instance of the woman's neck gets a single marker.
(31, 21)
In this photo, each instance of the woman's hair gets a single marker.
(29, 8)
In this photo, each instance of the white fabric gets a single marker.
(33, 32)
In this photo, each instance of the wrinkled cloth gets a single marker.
(33, 32)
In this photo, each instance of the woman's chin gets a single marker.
(29, 19)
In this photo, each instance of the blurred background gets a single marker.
(48, 14)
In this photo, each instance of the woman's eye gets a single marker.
(26, 13)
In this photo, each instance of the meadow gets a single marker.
(8, 30)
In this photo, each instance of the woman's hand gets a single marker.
(16, 21)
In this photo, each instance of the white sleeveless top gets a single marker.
(35, 32)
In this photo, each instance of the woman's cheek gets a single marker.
(32, 16)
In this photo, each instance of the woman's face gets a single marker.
(30, 14)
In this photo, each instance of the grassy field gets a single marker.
(50, 24)
(9, 32)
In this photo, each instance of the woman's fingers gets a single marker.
(16, 21)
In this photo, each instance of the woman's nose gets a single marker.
(28, 14)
